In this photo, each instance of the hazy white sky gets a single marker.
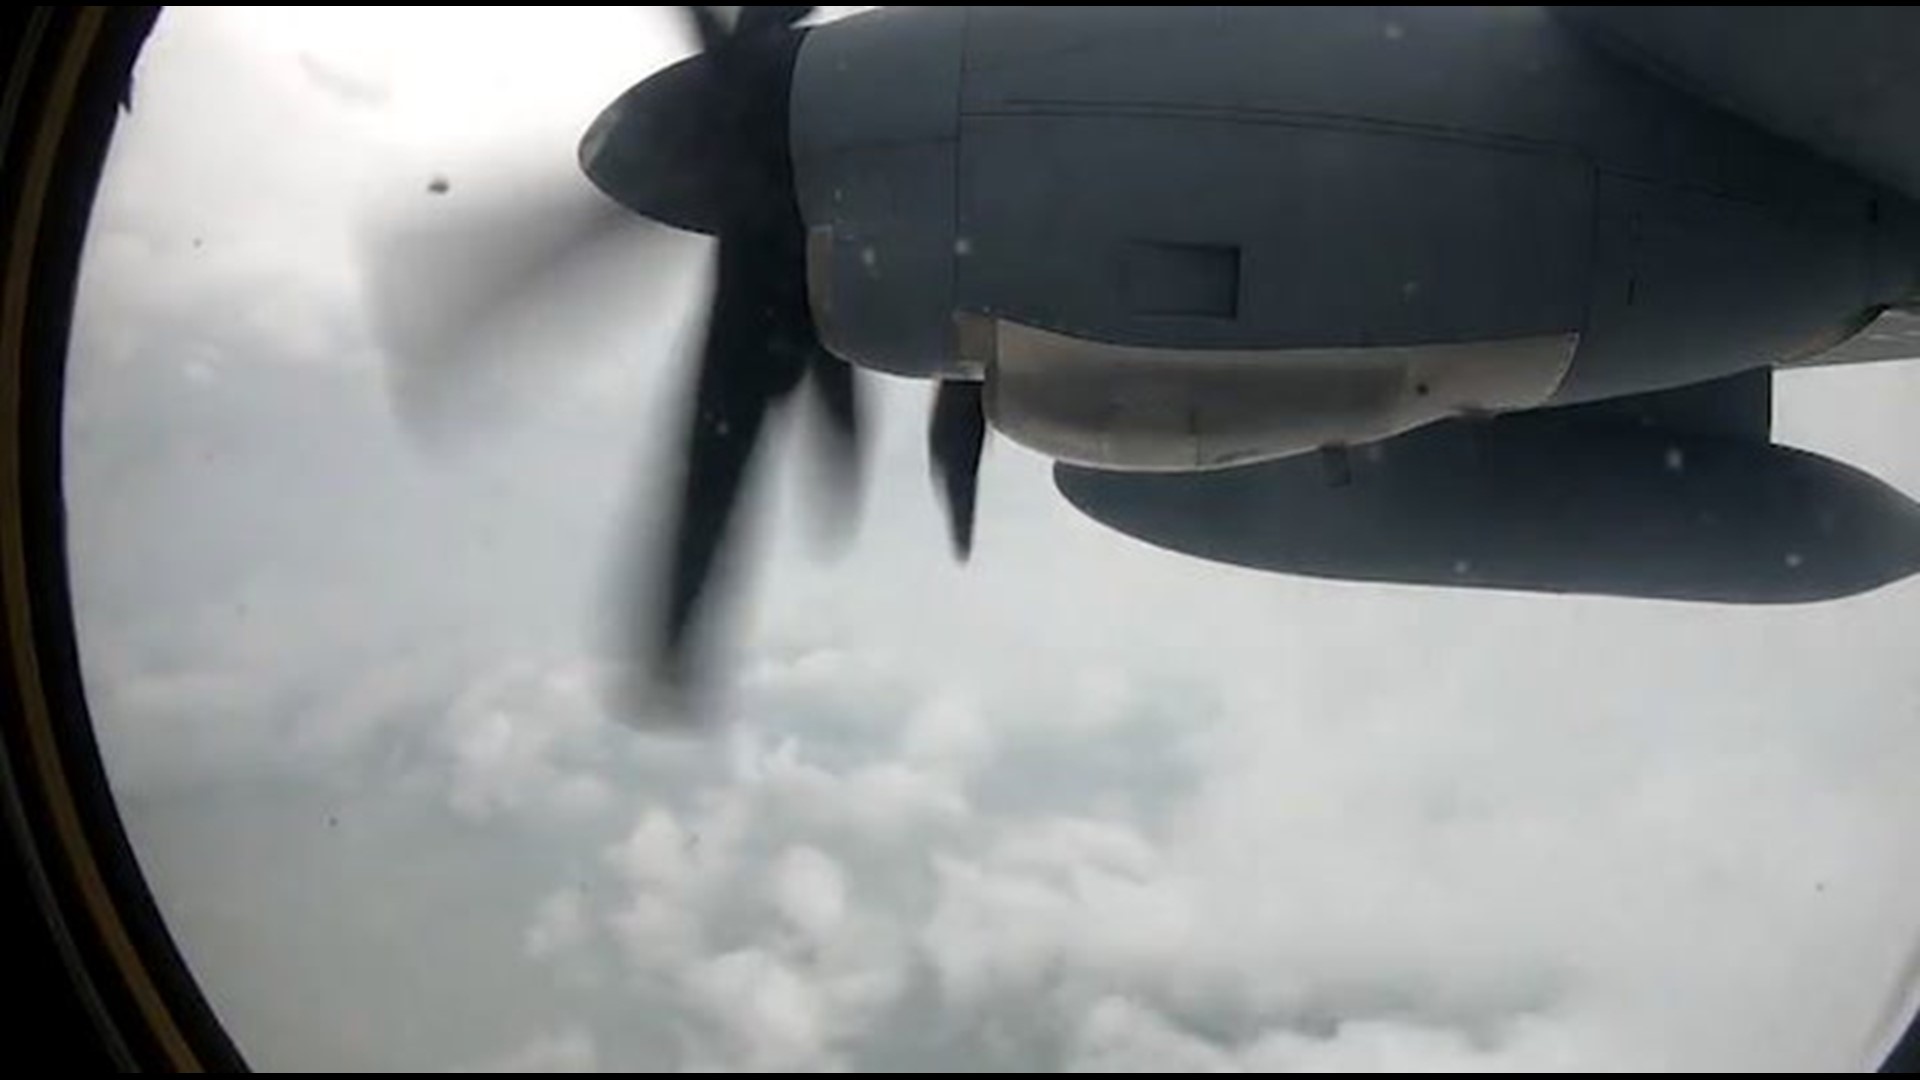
(1083, 804)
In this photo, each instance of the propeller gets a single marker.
(955, 438)
(700, 146)
(476, 287)
(703, 145)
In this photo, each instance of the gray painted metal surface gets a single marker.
(1173, 238)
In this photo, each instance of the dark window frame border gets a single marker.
(95, 978)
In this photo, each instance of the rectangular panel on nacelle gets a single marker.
(1346, 237)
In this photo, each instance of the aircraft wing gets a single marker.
(1678, 495)
(1843, 80)
(1737, 407)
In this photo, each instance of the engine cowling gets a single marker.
(1180, 238)
(1146, 409)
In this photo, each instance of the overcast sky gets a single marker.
(1083, 804)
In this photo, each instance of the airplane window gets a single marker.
(1564, 743)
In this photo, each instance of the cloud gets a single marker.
(947, 732)
(516, 740)
(879, 802)
(658, 853)
(764, 1016)
(810, 891)
(568, 1051)
(1320, 900)
(350, 88)
(655, 932)
(1117, 1035)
